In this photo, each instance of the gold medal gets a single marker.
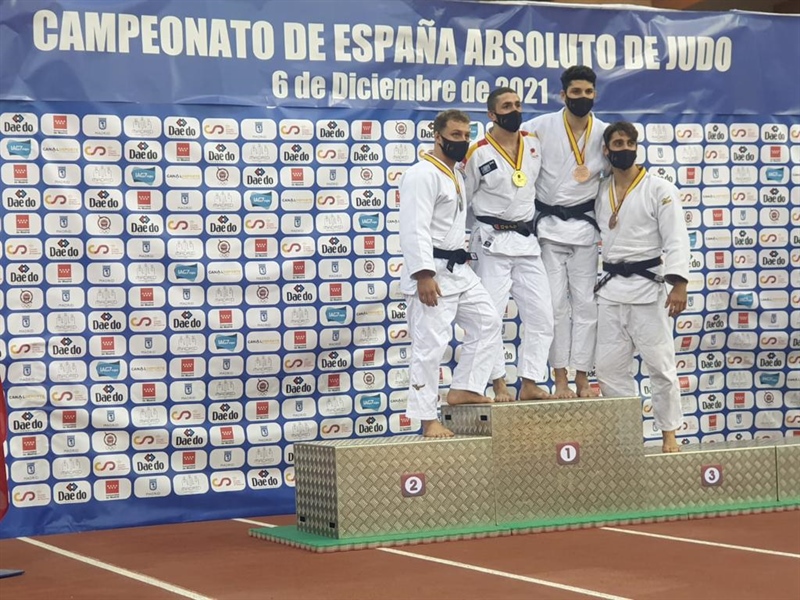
(518, 177)
(581, 174)
(612, 222)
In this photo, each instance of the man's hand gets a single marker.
(428, 289)
(676, 301)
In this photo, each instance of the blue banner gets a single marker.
(200, 258)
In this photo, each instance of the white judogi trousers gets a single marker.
(572, 271)
(526, 279)
(431, 328)
(625, 328)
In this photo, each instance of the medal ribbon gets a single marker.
(616, 206)
(580, 154)
(517, 165)
(443, 168)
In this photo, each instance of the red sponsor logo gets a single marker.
(405, 421)
(299, 338)
(112, 487)
(146, 295)
(23, 223)
(366, 128)
(717, 215)
(69, 417)
(262, 410)
(691, 173)
(686, 342)
(182, 150)
(226, 317)
(29, 444)
(369, 242)
(148, 390)
(59, 122)
(336, 290)
(369, 356)
(107, 343)
(65, 271)
(299, 268)
(775, 152)
(712, 421)
(261, 245)
(226, 434)
(20, 171)
(719, 258)
(744, 318)
(297, 175)
(684, 383)
(189, 459)
(187, 366)
(738, 399)
(334, 380)
(144, 200)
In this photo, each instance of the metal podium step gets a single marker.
(788, 453)
(352, 488)
(712, 475)
(560, 458)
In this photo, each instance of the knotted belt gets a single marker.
(521, 227)
(628, 269)
(454, 257)
(565, 213)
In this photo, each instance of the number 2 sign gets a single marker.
(412, 484)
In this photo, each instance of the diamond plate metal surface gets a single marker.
(788, 453)
(315, 488)
(748, 475)
(530, 482)
(363, 493)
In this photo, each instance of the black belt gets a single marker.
(454, 257)
(627, 269)
(521, 227)
(565, 213)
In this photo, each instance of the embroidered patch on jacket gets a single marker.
(488, 167)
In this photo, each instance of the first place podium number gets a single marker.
(568, 453)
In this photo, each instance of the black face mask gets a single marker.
(454, 150)
(510, 121)
(622, 159)
(579, 107)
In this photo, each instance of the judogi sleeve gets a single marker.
(417, 199)
(674, 237)
(472, 177)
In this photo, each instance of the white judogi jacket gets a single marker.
(650, 223)
(491, 193)
(556, 184)
(431, 216)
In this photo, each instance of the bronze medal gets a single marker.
(612, 222)
(519, 178)
(581, 174)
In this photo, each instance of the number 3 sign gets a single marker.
(711, 475)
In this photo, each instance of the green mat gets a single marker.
(291, 536)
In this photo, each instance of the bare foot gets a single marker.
(584, 388)
(466, 397)
(434, 429)
(669, 444)
(531, 391)
(501, 391)
(562, 385)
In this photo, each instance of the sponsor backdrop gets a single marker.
(200, 257)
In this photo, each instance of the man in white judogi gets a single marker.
(500, 172)
(439, 285)
(572, 162)
(642, 226)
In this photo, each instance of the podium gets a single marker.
(521, 467)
